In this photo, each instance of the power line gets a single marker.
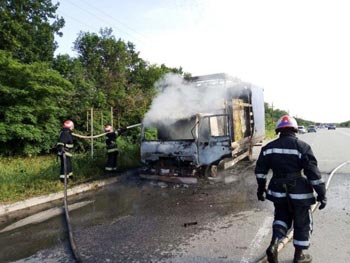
(117, 20)
(78, 21)
(105, 21)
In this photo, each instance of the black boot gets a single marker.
(272, 251)
(300, 257)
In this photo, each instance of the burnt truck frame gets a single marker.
(206, 142)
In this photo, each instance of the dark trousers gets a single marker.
(111, 164)
(298, 216)
(68, 166)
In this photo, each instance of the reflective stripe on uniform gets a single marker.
(302, 196)
(292, 196)
(68, 154)
(280, 223)
(301, 243)
(317, 182)
(261, 176)
(276, 194)
(68, 175)
(65, 145)
(112, 150)
(110, 168)
(282, 151)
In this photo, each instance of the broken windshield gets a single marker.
(178, 130)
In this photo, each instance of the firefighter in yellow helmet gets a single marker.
(64, 147)
(291, 188)
(112, 148)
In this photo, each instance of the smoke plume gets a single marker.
(178, 99)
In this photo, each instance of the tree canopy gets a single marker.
(32, 101)
(28, 29)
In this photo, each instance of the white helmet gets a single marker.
(286, 121)
(108, 128)
(68, 124)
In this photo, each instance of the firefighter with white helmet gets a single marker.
(112, 148)
(64, 147)
(291, 188)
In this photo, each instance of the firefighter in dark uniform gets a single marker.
(112, 148)
(64, 147)
(291, 188)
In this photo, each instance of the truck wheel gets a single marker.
(211, 171)
(207, 171)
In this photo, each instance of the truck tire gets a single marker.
(211, 171)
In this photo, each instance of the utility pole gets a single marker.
(92, 132)
(112, 116)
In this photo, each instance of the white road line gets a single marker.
(256, 242)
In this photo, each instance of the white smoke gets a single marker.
(178, 99)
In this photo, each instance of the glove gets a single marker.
(60, 150)
(323, 201)
(261, 194)
(121, 130)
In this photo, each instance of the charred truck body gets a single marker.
(182, 146)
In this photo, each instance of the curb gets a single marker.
(9, 208)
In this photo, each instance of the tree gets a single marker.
(106, 60)
(27, 29)
(84, 94)
(117, 70)
(271, 117)
(34, 100)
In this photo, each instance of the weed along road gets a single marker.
(137, 220)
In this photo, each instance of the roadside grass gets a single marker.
(25, 177)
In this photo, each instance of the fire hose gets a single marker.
(102, 134)
(283, 243)
(73, 246)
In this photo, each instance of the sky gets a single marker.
(298, 51)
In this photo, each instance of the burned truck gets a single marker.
(200, 125)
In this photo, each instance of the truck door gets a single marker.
(213, 139)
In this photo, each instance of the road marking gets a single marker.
(43, 216)
(256, 242)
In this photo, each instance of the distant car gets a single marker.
(331, 127)
(301, 129)
(311, 128)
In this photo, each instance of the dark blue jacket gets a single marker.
(65, 142)
(294, 168)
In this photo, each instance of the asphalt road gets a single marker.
(137, 220)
